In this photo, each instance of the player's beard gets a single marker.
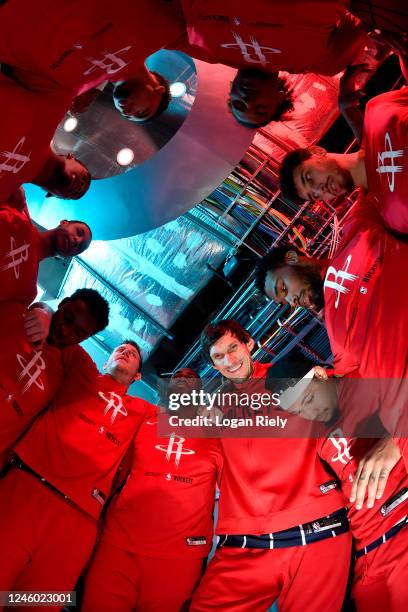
(347, 180)
(309, 275)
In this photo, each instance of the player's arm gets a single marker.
(123, 470)
(397, 43)
(328, 447)
(373, 471)
(349, 99)
(18, 201)
(402, 444)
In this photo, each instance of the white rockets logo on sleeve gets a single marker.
(175, 447)
(343, 450)
(339, 278)
(32, 370)
(252, 52)
(13, 160)
(113, 402)
(386, 162)
(18, 255)
(110, 62)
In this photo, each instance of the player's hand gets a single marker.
(210, 414)
(397, 43)
(373, 471)
(349, 92)
(320, 373)
(37, 324)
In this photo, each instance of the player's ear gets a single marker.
(250, 344)
(137, 377)
(291, 257)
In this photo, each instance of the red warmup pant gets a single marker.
(311, 578)
(121, 581)
(381, 577)
(44, 542)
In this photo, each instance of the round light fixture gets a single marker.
(70, 124)
(178, 89)
(125, 157)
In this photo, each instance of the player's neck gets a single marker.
(47, 244)
(356, 166)
(48, 170)
(120, 378)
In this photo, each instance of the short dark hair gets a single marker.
(286, 170)
(285, 106)
(216, 329)
(273, 259)
(83, 223)
(137, 347)
(97, 305)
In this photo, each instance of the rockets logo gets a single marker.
(178, 451)
(340, 276)
(386, 162)
(343, 450)
(114, 403)
(17, 255)
(13, 160)
(252, 52)
(110, 62)
(32, 370)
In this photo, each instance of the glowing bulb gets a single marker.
(70, 124)
(178, 89)
(125, 157)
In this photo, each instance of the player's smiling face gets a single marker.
(322, 178)
(232, 358)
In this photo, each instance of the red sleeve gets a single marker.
(77, 361)
(18, 201)
(402, 444)
(218, 460)
(151, 411)
(336, 451)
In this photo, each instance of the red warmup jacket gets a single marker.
(20, 252)
(365, 298)
(77, 44)
(29, 376)
(165, 509)
(343, 456)
(27, 126)
(271, 484)
(291, 35)
(79, 442)
(385, 142)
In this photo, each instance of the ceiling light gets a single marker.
(70, 124)
(178, 89)
(125, 157)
